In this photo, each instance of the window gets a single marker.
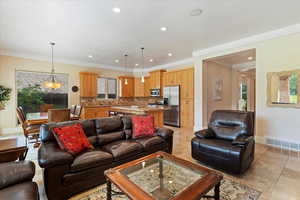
(33, 97)
(107, 88)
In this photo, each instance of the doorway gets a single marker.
(230, 83)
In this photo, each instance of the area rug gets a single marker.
(230, 190)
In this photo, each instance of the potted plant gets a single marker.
(4, 96)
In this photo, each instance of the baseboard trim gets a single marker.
(279, 143)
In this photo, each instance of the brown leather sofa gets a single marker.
(65, 175)
(228, 142)
(16, 181)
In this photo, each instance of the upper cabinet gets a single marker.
(147, 86)
(187, 83)
(88, 84)
(126, 89)
(139, 87)
(156, 79)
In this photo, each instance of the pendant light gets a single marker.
(143, 77)
(125, 63)
(52, 83)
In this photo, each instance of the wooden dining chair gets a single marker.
(72, 109)
(30, 131)
(59, 115)
(46, 107)
(76, 115)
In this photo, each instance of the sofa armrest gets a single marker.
(50, 155)
(242, 140)
(165, 133)
(16, 172)
(205, 133)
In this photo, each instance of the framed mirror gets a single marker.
(284, 89)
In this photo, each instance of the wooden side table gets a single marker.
(12, 149)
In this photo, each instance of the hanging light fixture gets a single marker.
(125, 63)
(143, 59)
(52, 83)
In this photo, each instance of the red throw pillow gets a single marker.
(72, 139)
(142, 125)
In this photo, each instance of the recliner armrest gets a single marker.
(205, 133)
(16, 172)
(165, 133)
(242, 140)
(50, 155)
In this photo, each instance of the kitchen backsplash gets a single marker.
(124, 101)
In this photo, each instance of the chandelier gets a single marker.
(52, 83)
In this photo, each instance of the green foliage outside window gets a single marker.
(293, 85)
(31, 98)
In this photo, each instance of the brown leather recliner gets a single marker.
(228, 143)
(66, 175)
(16, 181)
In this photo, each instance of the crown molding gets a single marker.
(179, 63)
(249, 40)
(65, 61)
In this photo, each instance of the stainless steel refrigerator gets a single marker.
(172, 99)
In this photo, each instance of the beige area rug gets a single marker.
(229, 191)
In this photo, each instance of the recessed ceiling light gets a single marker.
(170, 54)
(250, 58)
(116, 10)
(136, 64)
(196, 12)
(117, 61)
(151, 60)
(90, 56)
(163, 28)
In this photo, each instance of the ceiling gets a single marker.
(236, 59)
(89, 27)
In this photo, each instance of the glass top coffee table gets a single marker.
(161, 176)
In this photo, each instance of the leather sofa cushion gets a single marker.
(227, 132)
(123, 148)
(127, 123)
(219, 148)
(229, 124)
(110, 137)
(109, 124)
(46, 129)
(24, 191)
(90, 159)
(150, 142)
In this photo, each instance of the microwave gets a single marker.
(155, 92)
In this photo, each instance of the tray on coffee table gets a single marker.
(161, 176)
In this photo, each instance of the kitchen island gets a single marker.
(98, 111)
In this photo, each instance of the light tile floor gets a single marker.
(274, 172)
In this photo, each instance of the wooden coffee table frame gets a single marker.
(211, 179)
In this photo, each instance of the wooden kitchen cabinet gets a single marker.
(156, 79)
(187, 113)
(139, 88)
(94, 112)
(187, 83)
(88, 84)
(147, 87)
(126, 90)
(170, 78)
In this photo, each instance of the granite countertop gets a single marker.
(140, 108)
(96, 106)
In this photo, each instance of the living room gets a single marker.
(221, 103)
